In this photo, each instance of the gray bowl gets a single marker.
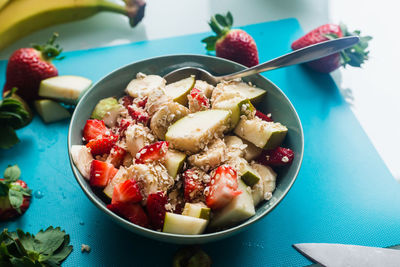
(276, 102)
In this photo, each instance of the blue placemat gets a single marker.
(344, 192)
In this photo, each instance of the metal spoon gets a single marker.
(303, 55)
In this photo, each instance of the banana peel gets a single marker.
(22, 17)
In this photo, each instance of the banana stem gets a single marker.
(133, 9)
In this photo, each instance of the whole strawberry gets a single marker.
(353, 56)
(234, 44)
(14, 194)
(28, 66)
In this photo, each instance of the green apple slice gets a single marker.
(254, 94)
(247, 109)
(197, 210)
(143, 85)
(66, 88)
(239, 209)
(230, 103)
(249, 176)
(179, 90)
(174, 162)
(263, 134)
(51, 111)
(108, 110)
(182, 224)
(194, 131)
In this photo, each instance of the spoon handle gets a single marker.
(302, 55)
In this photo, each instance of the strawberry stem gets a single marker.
(220, 25)
(49, 50)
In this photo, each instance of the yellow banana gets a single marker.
(21, 17)
(3, 3)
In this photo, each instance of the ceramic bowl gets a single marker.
(275, 102)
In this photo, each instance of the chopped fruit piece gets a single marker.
(153, 152)
(251, 151)
(239, 209)
(198, 101)
(138, 114)
(156, 209)
(132, 212)
(141, 102)
(249, 176)
(222, 187)
(82, 158)
(193, 186)
(229, 101)
(51, 111)
(165, 116)
(254, 94)
(123, 125)
(102, 145)
(101, 173)
(276, 157)
(263, 116)
(267, 183)
(182, 224)
(127, 101)
(116, 156)
(120, 177)
(93, 129)
(66, 88)
(174, 162)
(105, 106)
(15, 195)
(193, 132)
(179, 90)
(197, 210)
(266, 135)
(143, 85)
(247, 109)
(126, 192)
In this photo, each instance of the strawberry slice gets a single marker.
(93, 129)
(130, 211)
(101, 173)
(276, 157)
(123, 125)
(193, 187)
(127, 101)
(222, 187)
(153, 152)
(116, 156)
(263, 116)
(156, 209)
(102, 145)
(141, 102)
(138, 114)
(126, 192)
(199, 100)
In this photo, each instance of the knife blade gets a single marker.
(338, 255)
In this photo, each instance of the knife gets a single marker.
(338, 255)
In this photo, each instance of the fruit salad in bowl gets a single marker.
(185, 158)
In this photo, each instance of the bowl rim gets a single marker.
(157, 234)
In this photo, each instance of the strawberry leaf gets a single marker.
(3, 190)
(49, 240)
(8, 137)
(12, 173)
(229, 19)
(16, 199)
(221, 20)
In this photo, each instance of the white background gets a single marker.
(373, 91)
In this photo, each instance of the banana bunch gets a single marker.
(19, 18)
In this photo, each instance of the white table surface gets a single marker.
(373, 91)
